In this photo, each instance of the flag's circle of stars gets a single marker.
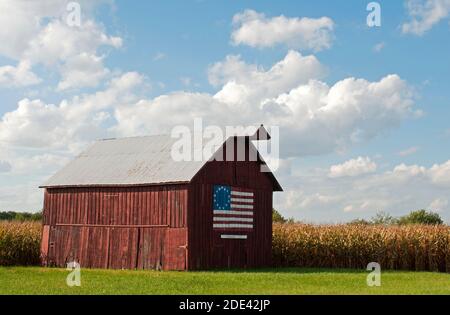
(219, 190)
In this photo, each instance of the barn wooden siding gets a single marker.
(120, 228)
(206, 247)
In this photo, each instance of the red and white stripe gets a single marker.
(241, 214)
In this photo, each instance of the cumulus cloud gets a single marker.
(83, 70)
(256, 30)
(21, 75)
(37, 32)
(58, 41)
(350, 111)
(440, 174)
(354, 167)
(243, 83)
(424, 14)
(315, 197)
(314, 117)
(439, 205)
(72, 123)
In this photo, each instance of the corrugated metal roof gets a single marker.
(127, 161)
(131, 161)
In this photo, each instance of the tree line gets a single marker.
(382, 218)
(20, 216)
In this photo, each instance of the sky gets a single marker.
(363, 111)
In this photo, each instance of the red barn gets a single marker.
(126, 204)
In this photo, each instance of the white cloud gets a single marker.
(409, 151)
(20, 21)
(379, 47)
(350, 111)
(37, 32)
(256, 30)
(314, 118)
(159, 56)
(354, 167)
(71, 124)
(21, 75)
(314, 196)
(440, 174)
(424, 14)
(20, 197)
(83, 70)
(59, 42)
(439, 205)
(245, 83)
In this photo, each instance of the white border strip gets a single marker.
(235, 206)
(241, 193)
(233, 219)
(230, 226)
(248, 200)
(233, 212)
(233, 237)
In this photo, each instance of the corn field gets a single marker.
(413, 247)
(19, 243)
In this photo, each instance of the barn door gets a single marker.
(151, 246)
(175, 249)
(123, 248)
(230, 254)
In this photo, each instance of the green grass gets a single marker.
(35, 280)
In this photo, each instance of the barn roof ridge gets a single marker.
(132, 137)
(260, 128)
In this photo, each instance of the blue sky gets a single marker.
(399, 161)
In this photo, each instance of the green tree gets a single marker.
(36, 216)
(20, 216)
(277, 217)
(383, 218)
(421, 217)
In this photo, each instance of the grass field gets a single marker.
(34, 280)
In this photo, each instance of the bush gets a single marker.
(20, 243)
(421, 217)
(413, 247)
(360, 222)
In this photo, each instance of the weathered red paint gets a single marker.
(206, 248)
(165, 227)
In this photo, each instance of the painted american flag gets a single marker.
(233, 209)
